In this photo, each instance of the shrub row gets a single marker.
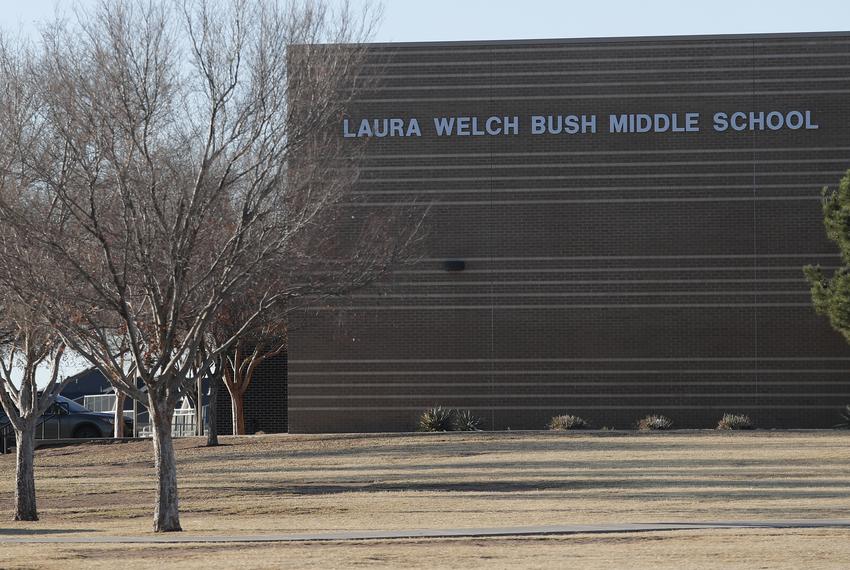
(652, 422)
(448, 419)
(566, 422)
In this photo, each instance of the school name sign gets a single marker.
(469, 126)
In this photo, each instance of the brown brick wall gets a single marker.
(606, 275)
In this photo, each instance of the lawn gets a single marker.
(302, 483)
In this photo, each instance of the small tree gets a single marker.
(831, 294)
(267, 340)
(120, 399)
(26, 341)
(27, 346)
(214, 378)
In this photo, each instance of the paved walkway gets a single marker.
(18, 536)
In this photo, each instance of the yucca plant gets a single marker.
(437, 419)
(566, 422)
(655, 423)
(735, 421)
(845, 419)
(465, 420)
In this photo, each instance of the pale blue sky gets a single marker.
(441, 20)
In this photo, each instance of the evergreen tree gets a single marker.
(831, 295)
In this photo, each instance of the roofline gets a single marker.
(81, 373)
(616, 39)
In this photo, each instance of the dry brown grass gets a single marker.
(325, 483)
(821, 549)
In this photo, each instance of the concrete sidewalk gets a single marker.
(11, 536)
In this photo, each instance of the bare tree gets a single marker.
(213, 375)
(264, 339)
(212, 410)
(193, 388)
(26, 347)
(120, 395)
(172, 185)
(25, 342)
(120, 398)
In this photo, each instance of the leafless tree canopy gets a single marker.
(176, 179)
(162, 159)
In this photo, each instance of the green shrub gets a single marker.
(437, 419)
(565, 422)
(735, 421)
(654, 423)
(845, 419)
(465, 420)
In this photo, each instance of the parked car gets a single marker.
(68, 419)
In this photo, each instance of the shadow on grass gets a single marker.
(638, 466)
(553, 444)
(42, 531)
(625, 488)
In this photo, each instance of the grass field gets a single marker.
(304, 483)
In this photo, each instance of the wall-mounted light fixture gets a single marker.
(454, 265)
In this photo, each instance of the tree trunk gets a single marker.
(199, 407)
(212, 411)
(166, 514)
(237, 407)
(25, 508)
(119, 413)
